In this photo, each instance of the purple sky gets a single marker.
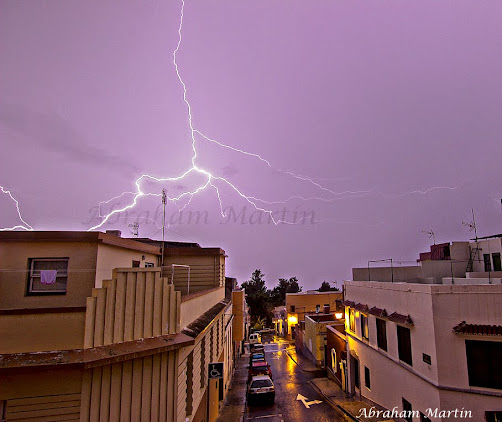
(398, 102)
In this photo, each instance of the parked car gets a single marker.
(261, 389)
(258, 347)
(259, 368)
(255, 357)
(254, 338)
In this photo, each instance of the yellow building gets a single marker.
(239, 321)
(298, 305)
(84, 340)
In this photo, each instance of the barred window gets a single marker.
(48, 275)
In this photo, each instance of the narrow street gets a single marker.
(290, 381)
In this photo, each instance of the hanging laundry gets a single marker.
(48, 276)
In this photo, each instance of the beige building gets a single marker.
(298, 305)
(469, 260)
(432, 345)
(240, 320)
(84, 340)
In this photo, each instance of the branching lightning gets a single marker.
(216, 182)
(210, 180)
(25, 225)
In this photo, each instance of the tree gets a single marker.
(258, 298)
(261, 301)
(278, 293)
(326, 287)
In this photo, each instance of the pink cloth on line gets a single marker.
(48, 276)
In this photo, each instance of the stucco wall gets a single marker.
(238, 304)
(41, 332)
(479, 304)
(403, 298)
(435, 310)
(194, 306)
(110, 257)
(14, 278)
(387, 274)
(487, 246)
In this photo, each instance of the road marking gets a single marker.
(278, 415)
(305, 401)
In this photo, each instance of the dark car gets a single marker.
(261, 389)
(256, 357)
(259, 368)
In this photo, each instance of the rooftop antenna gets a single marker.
(164, 200)
(431, 234)
(472, 225)
(135, 229)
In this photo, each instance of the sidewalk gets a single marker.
(348, 405)
(234, 405)
(304, 363)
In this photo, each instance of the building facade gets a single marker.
(429, 345)
(83, 339)
(298, 305)
(336, 343)
(315, 337)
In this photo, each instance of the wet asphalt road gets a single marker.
(290, 380)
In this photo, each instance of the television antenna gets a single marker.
(164, 201)
(431, 234)
(135, 229)
(472, 225)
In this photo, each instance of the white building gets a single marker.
(431, 343)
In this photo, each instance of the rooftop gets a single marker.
(78, 236)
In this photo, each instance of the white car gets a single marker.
(261, 389)
(254, 338)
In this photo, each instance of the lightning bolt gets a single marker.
(209, 180)
(26, 226)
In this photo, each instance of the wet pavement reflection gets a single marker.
(295, 398)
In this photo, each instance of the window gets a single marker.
(404, 344)
(333, 360)
(408, 417)
(381, 334)
(48, 275)
(493, 416)
(135, 264)
(189, 399)
(317, 308)
(364, 327)
(488, 263)
(424, 418)
(352, 320)
(497, 265)
(367, 380)
(3, 410)
(426, 358)
(484, 363)
(293, 308)
(149, 265)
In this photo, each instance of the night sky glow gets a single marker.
(381, 121)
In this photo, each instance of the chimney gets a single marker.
(117, 233)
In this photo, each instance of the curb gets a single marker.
(301, 367)
(333, 404)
